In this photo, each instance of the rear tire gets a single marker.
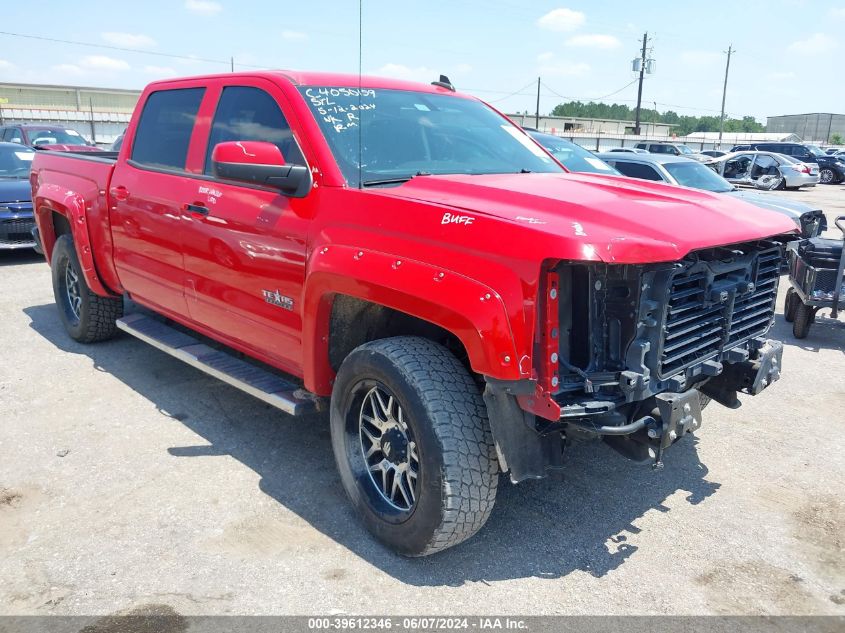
(804, 316)
(407, 404)
(87, 317)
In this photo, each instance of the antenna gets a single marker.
(444, 83)
(360, 113)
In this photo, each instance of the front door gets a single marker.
(146, 192)
(245, 251)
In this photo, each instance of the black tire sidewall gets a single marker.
(790, 305)
(64, 254)
(411, 532)
(803, 320)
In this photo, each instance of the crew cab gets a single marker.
(405, 257)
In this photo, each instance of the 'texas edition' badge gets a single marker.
(277, 299)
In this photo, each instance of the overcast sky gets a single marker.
(789, 52)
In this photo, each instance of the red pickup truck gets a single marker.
(406, 257)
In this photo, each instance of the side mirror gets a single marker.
(259, 163)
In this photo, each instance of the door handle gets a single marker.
(196, 209)
(119, 193)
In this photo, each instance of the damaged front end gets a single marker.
(632, 353)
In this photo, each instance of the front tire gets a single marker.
(413, 444)
(804, 317)
(87, 317)
(790, 305)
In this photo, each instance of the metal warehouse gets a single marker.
(566, 126)
(816, 126)
(99, 114)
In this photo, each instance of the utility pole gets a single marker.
(232, 60)
(537, 111)
(640, 88)
(654, 119)
(91, 110)
(724, 94)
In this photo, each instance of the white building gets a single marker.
(98, 114)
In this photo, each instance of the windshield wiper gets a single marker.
(392, 181)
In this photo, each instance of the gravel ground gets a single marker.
(128, 479)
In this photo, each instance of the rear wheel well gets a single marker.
(61, 226)
(355, 322)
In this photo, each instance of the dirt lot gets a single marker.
(129, 479)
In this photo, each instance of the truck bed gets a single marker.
(76, 185)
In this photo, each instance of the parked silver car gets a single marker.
(672, 149)
(676, 170)
(766, 170)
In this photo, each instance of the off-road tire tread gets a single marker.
(103, 312)
(459, 415)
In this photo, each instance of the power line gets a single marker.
(516, 92)
(125, 49)
(230, 62)
(557, 94)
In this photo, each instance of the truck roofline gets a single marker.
(307, 78)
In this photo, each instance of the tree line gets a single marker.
(686, 124)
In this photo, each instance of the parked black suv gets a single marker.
(831, 168)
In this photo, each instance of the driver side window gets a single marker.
(245, 113)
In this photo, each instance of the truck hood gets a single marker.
(610, 218)
(15, 190)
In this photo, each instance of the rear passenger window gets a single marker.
(250, 114)
(638, 170)
(164, 129)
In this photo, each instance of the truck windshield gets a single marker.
(404, 134)
(697, 176)
(56, 137)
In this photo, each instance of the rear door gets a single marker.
(737, 169)
(638, 170)
(764, 165)
(245, 258)
(147, 191)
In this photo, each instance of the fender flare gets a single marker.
(55, 199)
(470, 310)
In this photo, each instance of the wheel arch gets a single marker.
(348, 305)
(61, 212)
